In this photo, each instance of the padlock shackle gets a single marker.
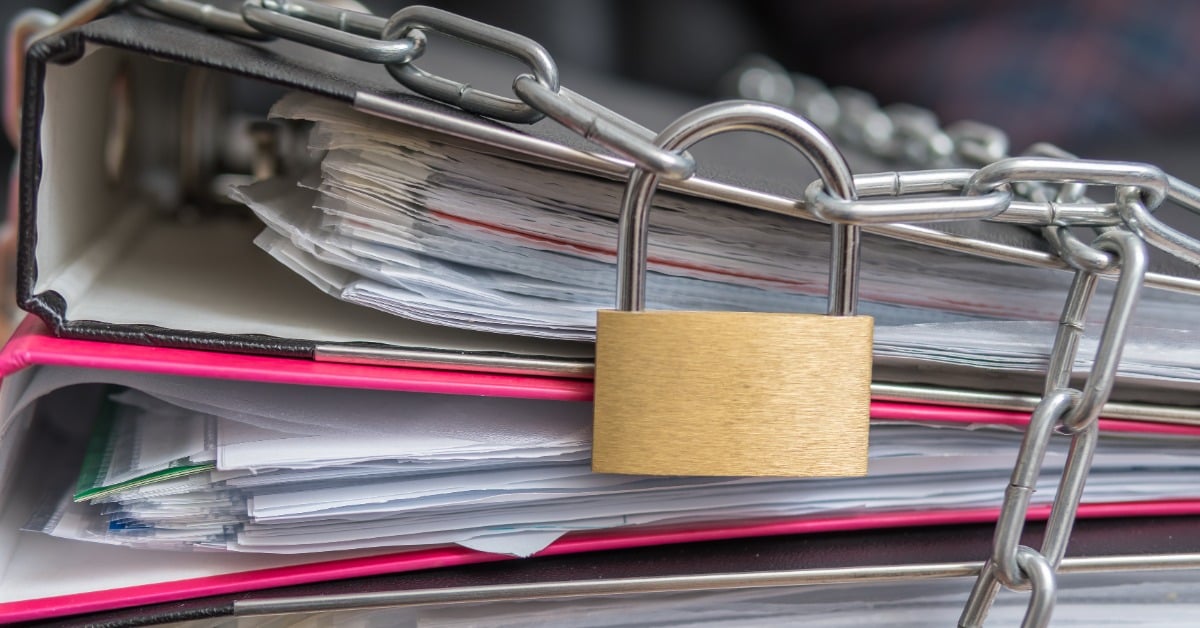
(723, 117)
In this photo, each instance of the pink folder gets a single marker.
(32, 345)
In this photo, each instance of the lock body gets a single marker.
(732, 394)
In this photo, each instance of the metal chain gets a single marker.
(1045, 188)
(1049, 178)
(912, 136)
(1073, 411)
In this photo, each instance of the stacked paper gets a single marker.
(410, 224)
(285, 469)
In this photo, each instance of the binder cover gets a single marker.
(104, 256)
(905, 546)
(33, 346)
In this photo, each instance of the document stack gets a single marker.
(283, 355)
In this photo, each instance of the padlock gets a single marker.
(733, 393)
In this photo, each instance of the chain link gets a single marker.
(208, 16)
(415, 19)
(349, 33)
(1070, 248)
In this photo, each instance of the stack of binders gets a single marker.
(366, 382)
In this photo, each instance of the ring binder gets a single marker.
(267, 313)
(170, 579)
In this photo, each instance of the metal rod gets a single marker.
(703, 582)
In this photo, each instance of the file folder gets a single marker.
(806, 559)
(105, 256)
(42, 574)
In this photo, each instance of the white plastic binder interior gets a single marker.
(119, 262)
(34, 566)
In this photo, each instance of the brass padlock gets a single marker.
(733, 393)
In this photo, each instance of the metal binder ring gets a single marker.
(418, 18)
(705, 122)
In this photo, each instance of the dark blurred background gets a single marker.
(1079, 72)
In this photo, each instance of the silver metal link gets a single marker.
(1151, 181)
(206, 15)
(1023, 483)
(462, 95)
(1045, 588)
(1132, 263)
(995, 204)
(604, 127)
(350, 33)
(896, 185)
(1136, 211)
(1070, 248)
(1041, 600)
(1074, 252)
(1069, 495)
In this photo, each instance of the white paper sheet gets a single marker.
(431, 232)
(308, 469)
